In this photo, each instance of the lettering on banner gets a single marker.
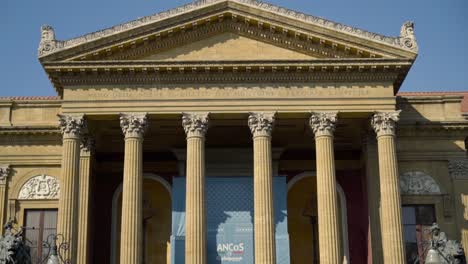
(230, 252)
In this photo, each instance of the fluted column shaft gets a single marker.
(72, 127)
(393, 244)
(195, 126)
(84, 241)
(131, 236)
(373, 198)
(4, 173)
(323, 125)
(261, 126)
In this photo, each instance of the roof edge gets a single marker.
(49, 44)
(463, 94)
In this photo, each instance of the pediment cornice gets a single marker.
(253, 13)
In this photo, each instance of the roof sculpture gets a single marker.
(49, 44)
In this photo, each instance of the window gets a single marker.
(416, 220)
(39, 224)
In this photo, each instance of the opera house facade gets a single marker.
(234, 131)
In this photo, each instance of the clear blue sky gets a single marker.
(441, 28)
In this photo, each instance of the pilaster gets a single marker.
(261, 125)
(4, 174)
(72, 128)
(84, 240)
(384, 125)
(195, 126)
(323, 125)
(131, 237)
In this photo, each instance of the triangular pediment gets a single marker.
(227, 47)
(269, 31)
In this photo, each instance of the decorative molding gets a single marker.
(384, 123)
(40, 187)
(418, 183)
(54, 45)
(195, 124)
(181, 75)
(133, 124)
(4, 173)
(323, 123)
(458, 169)
(261, 124)
(72, 126)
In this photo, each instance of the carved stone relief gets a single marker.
(406, 40)
(40, 187)
(418, 183)
(458, 168)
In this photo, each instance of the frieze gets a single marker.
(394, 41)
(232, 92)
(40, 187)
(418, 183)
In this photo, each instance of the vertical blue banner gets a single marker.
(230, 236)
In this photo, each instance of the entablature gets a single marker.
(91, 73)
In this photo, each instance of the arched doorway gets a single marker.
(302, 219)
(156, 221)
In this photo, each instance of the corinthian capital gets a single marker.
(87, 145)
(133, 124)
(384, 123)
(4, 172)
(261, 124)
(195, 124)
(72, 126)
(323, 123)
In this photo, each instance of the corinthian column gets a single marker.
(261, 125)
(195, 126)
(323, 126)
(131, 235)
(72, 127)
(84, 241)
(384, 124)
(4, 173)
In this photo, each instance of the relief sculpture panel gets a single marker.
(40, 187)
